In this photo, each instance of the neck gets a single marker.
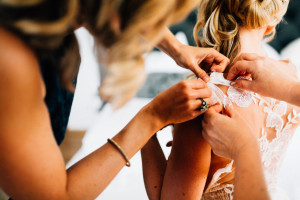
(251, 40)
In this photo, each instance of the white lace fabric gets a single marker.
(280, 122)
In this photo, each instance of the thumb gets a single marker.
(243, 84)
(201, 73)
(217, 108)
(230, 111)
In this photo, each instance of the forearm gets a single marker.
(249, 178)
(89, 177)
(154, 166)
(169, 44)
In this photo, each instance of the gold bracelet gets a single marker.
(111, 141)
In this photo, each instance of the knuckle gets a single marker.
(240, 84)
(189, 107)
(186, 94)
(185, 84)
(258, 63)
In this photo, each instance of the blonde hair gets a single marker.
(46, 25)
(219, 21)
(142, 25)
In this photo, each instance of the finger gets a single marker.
(217, 68)
(240, 67)
(220, 62)
(199, 103)
(209, 114)
(213, 116)
(218, 108)
(243, 84)
(247, 57)
(230, 111)
(194, 84)
(207, 100)
(201, 93)
(201, 73)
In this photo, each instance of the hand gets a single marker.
(200, 60)
(266, 73)
(180, 103)
(227, 134)
(194, 58)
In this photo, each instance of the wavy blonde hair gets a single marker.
(46, 25)
(219, 22)
(142, 25)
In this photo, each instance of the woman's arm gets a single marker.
(188, 164)
(193, 58)
(31, 164)
(249, 177)
(154, 166)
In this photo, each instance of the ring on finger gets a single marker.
(204, 105)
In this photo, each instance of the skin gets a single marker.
(185, 178)
(154, 165)
(25, 132)
(222, 131)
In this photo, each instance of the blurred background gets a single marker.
(89, 127)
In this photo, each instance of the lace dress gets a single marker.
(275, 129)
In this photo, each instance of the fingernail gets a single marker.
(213, 70)
(233, 83)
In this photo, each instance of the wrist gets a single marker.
(176, 49)
(246, 149)
(150, 113)
(170, 45)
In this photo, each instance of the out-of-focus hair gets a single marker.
(142, 23)
(46, 25)
(219, 22)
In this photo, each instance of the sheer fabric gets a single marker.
(275, 129)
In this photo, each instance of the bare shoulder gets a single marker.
(19, 67)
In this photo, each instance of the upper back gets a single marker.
(273, 123)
